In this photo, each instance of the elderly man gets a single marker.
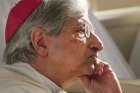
(49, 44)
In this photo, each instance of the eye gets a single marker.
(80, 33)
(84, 29)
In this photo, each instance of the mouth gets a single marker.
(92, 59)
(90, 70)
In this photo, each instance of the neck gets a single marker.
(49, 72)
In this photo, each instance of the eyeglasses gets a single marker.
(85, 28)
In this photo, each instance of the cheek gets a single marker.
(77, 49)
(80, 51)
(77, 57)
(70, 52)
(80, 37)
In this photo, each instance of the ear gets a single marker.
(39, 39)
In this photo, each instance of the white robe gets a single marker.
(22, 78)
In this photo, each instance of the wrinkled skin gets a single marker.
(71, 55)
(103, 80)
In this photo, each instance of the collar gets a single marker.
(28, 71)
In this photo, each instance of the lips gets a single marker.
(92, 59)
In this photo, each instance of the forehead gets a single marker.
(76, 24)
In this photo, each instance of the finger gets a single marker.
(108, 72)
(99, 68)
(107, 68)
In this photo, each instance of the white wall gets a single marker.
(114, 4)
(123, 25)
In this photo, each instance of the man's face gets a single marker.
(74, 49)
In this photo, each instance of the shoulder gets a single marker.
(14, 80)
(16, 86)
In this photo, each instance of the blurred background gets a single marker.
(121, 20)
(117, 23)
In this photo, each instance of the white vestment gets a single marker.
(22, 78)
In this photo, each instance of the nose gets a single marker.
(95, 43)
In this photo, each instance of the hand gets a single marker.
(103, 80)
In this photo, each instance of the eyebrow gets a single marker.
(77, 29)
(80, 27)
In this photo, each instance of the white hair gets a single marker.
(51, 14)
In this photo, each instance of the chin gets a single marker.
(71, 82)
